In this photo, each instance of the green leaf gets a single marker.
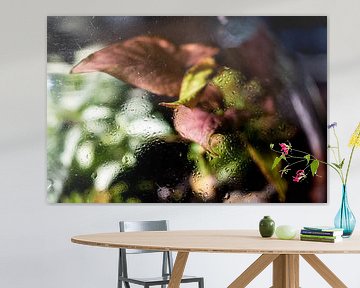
(307, 157)
(231, 83)
(276, 162)
(336, 165)
(271, 146)
(263, 161)
(314, 167)
(342, 163)
(195, 80)
(339, 166)
(283, 157)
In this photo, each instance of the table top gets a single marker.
(216, 241)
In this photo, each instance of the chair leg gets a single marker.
(119, 270)
(126, 284)
(201, 283)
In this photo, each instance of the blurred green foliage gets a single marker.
(96, 125)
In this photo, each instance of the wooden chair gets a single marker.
(167, 262)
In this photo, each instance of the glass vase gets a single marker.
(345, 219)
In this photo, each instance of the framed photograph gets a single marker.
(185, 109)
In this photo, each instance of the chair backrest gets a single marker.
(134, 226)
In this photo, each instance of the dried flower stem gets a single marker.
(341, 174)
(351, 156)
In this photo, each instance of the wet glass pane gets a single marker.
(185, 109)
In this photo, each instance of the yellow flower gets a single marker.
(355, 138)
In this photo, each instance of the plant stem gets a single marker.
(348, 167)
(339, 162)
(300, 151)
(333, 152)
(350, 159)
(335, 168)
(338, 145)
(302, 160)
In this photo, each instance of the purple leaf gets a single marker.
(195, 124)
(151, 63)
(192, 53)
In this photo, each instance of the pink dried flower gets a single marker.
(300, 175)
(284, 148)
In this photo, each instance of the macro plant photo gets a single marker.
(152, 109)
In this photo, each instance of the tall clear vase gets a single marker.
(345, 219)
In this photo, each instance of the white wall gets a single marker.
(35, 248)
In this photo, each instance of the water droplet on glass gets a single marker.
(50, 185)
(163, 193)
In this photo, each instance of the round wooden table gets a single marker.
(284, 254)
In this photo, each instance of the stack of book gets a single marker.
(321, 234)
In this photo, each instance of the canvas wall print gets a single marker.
(185, 109)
